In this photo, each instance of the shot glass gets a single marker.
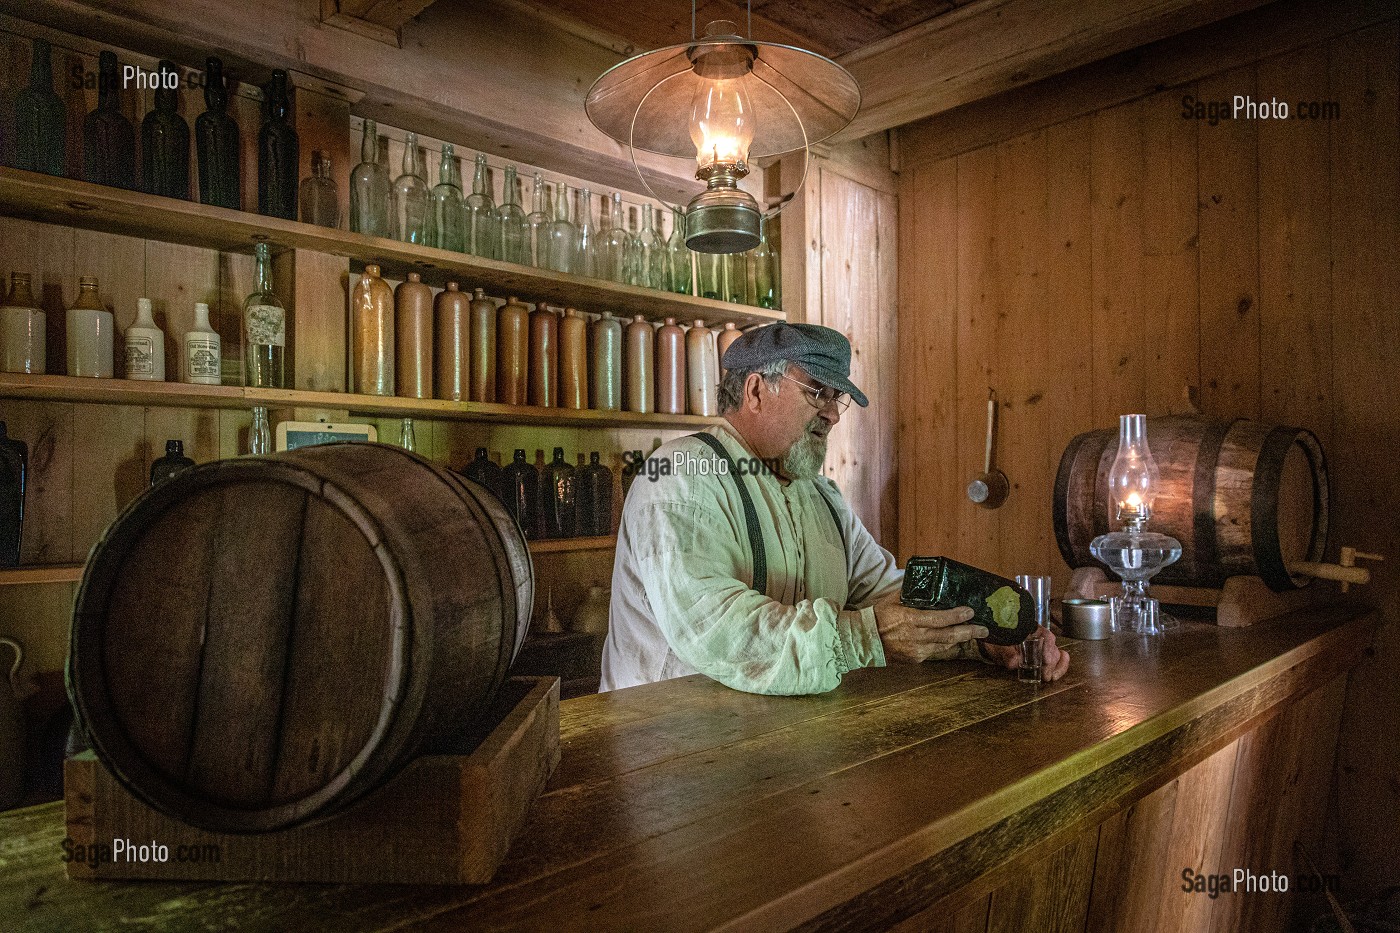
(1033, 648)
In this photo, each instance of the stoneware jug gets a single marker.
(11, 729)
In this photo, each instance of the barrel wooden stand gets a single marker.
(444, 819)
(1240, 601)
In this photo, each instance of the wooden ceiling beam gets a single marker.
(991, 46)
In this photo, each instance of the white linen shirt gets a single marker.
(682, 601)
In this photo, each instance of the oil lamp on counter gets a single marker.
(1134, 554)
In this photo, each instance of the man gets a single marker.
(766, 581)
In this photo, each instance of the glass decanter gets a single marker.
(1133, 553)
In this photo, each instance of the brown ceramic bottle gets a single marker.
(640, 356)
(544, 357)
(453, 332)
(573, 360)
(483, 341)
(371, 335)
(702, 370)
(413, 310)
(512, 352)
(726, 337)
(605, 348)
(670, 369)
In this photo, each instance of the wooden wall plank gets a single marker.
(1128, 866)
(1052, 896)
(978, 340)
(112, 469)
(1229, 254)
(1365, 183)
(47, 428)
(1119, 345)
(1196, 840)
(1169, 299)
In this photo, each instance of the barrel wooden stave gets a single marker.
(1243, 498)
(238, 696)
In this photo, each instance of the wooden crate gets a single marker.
(445, 819)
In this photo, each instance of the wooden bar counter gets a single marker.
(946, 796)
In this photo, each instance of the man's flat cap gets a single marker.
(824, 353)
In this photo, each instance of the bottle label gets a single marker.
(140, 356)
(203, 356)
(267, 325)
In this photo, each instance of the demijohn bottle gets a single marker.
(320, 199)
(481, 223)
(511, 222)
(680, 260)
(14, 464)
(409, 198)
(595, 486)
(520, 483)
(40, 122)
(172, 463)
(279, 153)
(216, 143)
(22, 334)
(264, 328)
(109, 141)
(558, 497)
(165, 141)
(447, 208)
(369, 188)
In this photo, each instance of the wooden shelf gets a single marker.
(44, 573)
(97, 207)
(558, 545)
(181, 395)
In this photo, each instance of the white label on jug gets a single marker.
(267, 325)
(140, 356)
(203, 356)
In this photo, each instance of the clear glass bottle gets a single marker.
(109, 141)
(511, 222)
(709, 276)
(634, 248)
(216, 142)
(260, 434)
(736, 277)
(369, 187)
(679, 258)
(764, 292)
(165, 141)
(586, 263)
(563, 235)
(651, 252)
(40, 121)
(613, 242)
(537, 225)
(407, 440)
(278, 153)
(480, 231)
(320, 201)
(409, 198)
(264, 329)
(447, 209)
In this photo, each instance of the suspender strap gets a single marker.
(836, 519)
(760, 556)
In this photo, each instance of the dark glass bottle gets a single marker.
(559, 497)
(173, 462)
(40, 122)
(217, 144)
(14, 463)
(278, 153)
(165, 141)
(520, 482)
(483, 470)
(595, 484)
(109, 141)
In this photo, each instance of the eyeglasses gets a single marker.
(821, 396)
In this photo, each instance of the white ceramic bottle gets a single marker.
(145, 346)
(21, 330)
(89, 333)
(203, 350)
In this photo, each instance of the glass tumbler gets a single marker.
(1033, 648)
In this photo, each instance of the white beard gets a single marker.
(804, 459)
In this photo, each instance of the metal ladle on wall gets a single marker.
(990, 487)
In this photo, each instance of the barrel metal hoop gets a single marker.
(1203, 531)
(1268, 472)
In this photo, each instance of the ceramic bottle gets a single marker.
(640, 357)
(573, 360)
(145, 346)
(512, 353)
(482, 372)
(413, 339)
(89, 333)
(726, 337)
(605, 351)
(22, 335)
(671, 388)
(203, 350)
(452, 330)
(372, 335)
(702, 370)
(544, 357)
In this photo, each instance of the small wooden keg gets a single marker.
(1243, 498)
(259, 642)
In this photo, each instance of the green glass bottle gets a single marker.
(446, 206)
(651, 252)
(165, 141)
(763, 283)
(709, 276)
(679, 259)
(41, 138)
(264, 329)
(216, 143)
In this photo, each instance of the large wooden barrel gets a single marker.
(1243, 498)
(259, 642)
